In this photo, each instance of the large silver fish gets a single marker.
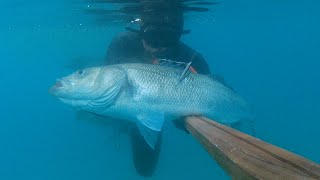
(147, 93)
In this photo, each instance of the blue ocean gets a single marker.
(269, 51)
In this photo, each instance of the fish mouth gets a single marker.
(53, 90)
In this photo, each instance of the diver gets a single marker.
(158, 38)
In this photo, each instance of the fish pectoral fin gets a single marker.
(150, 127)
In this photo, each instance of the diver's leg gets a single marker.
(145, 158)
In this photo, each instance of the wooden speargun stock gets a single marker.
(245, 157)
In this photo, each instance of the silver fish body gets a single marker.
(144, 92)
(153, 88)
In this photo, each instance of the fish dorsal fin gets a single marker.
(171, 63)
(185, 67)
(150, 126)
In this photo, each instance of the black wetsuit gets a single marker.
(128, 48)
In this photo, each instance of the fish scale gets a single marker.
(147, 93)
(159, 87)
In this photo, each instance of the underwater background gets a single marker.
(269, 51)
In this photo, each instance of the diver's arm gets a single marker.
(187, 54)
(200, 64)
(124, 48)
(114, 51)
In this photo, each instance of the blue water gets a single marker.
(268, 50)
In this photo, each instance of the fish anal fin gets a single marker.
(150, 126)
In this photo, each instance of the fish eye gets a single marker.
(80, 72)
